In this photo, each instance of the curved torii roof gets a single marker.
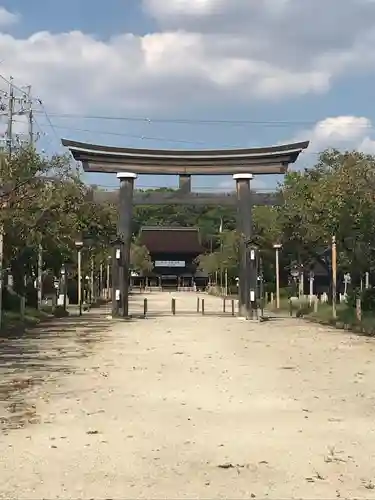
(106, 159)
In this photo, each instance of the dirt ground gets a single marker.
(186, 406)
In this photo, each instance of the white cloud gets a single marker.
(176, 8)
(342, 132)
(7, 18)
(207, 51)
(77, 71)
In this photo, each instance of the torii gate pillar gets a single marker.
(121, 268)
(247, 262)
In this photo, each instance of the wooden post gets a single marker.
(232, 307)
(202, 306)
(358, 309)
(224, 303)
(316, 304)
(198, 304)
(22, 306)
(145, 307)
(173, 304)
(334, 277)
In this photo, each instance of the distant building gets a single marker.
(173, 251)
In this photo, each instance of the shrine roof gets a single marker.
(169, 240)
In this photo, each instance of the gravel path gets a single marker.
(186, 407)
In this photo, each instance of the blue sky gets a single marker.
(198, 60)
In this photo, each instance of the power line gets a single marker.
(149, 138)
(11, 105)
(190, 121)
(40, 102)
(10, 82)
(31, 112)
(119, 134)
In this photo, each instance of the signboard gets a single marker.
(169, 263)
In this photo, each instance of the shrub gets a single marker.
(367, 297)
(99, 302)
(60, 312)
(11, 300)
(47, 309)
(304, 309)
(286, 292)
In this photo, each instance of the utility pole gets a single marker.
(30, 117)
(9, 144)
(10, 111)
(40, 248)
(10, 117)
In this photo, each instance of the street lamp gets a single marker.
(311, 283)
(277, 247)
(79, 245)
(63, 285)
(108, 295)
(261, 284)
(295, 273)
(253, 278)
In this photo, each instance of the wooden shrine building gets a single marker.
(243, 164)
(173, 251)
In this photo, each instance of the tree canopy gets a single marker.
(46, 204)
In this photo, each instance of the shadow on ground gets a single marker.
(41, 353)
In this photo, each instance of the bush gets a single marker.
(11, 300)
(367, 297)
(304, 310)
(99, 302)
(47, 309)
(286, 292)
(60, 312)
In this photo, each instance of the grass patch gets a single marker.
(32, 317)
(346, 315)
(216, 292)
(99, 302)
(13, 320)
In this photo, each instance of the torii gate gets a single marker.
(242, 164)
